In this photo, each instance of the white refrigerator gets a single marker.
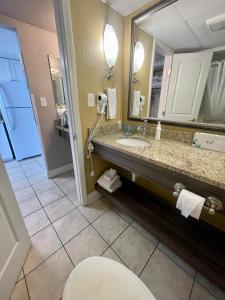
(17, 112)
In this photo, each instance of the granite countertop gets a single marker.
(204, 165)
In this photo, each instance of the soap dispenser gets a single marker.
(158, 131)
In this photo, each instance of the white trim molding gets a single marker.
(95, 195)
(60, 170)
(68, 64)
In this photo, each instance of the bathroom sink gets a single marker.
(132, 142)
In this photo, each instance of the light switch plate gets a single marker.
(91, 100)
(43, 101)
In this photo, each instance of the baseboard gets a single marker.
(60, 170)
(93, 197)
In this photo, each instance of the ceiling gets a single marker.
(39, 13)
(182, 25)
(126, 7)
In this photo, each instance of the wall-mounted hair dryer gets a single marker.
(102, 103)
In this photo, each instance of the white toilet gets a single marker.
(100, 278)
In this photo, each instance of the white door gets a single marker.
(5, 70)
(186, 87)
(14, 238)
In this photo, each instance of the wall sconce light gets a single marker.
(110, 45)
(139, 57)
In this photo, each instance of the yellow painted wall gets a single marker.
(144, 73)
(88, 20)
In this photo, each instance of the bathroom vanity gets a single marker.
(176, 81)
(167, 163)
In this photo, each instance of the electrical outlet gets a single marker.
(43, 101)
(91, 100)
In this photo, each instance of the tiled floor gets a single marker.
(63, 233)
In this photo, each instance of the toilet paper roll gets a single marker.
(190, 204)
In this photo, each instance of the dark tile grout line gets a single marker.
(193, 283)
(147, 261)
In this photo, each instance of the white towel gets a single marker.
(190, 204)
(111, 107)
(110, 174)
(136, 103)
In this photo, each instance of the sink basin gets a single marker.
(132, 142)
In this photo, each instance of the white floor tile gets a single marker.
(20, 291)
(145, 233)
(50, 195)
(63, 178)
(93, 211)
(12, 164)
(133, 249)
(59, 208)
(68, 187)
(20, 184)
(25, 194)
(70, 225)
(110, 225)
(36, 221)
(109, 253)
(29, 206)
(47, 282)
(17, 177)
(85, 244)
(165, 279)
(34, 171)
(186, 267)
(43, 185)
(43, 244)
(74, 198)
(15, 171)
(37, 178)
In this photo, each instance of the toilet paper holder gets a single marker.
(212, 204)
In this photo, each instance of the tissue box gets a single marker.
(209, 141)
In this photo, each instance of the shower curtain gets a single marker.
(214, 96)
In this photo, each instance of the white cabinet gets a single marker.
(11, 70)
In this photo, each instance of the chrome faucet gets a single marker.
(143, 127)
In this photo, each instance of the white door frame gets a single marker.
(68, 64)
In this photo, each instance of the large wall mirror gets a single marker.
(57, 83)
(177, 72)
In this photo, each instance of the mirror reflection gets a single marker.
(57, 84)
(178, 69)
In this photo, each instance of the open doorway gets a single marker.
(40, 163)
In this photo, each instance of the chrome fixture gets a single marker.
(212, 204)
(143, 127)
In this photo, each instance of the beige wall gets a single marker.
(144, 73)
(89, 18)
(36, 44)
